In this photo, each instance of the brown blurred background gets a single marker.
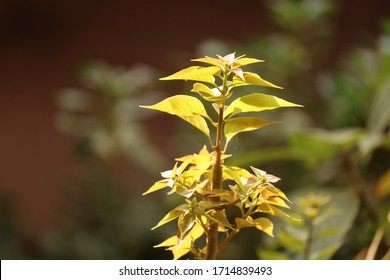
(43, 42)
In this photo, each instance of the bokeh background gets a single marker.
(76, 151)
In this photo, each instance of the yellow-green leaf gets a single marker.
(245, 61)
(278, 202)
(223, 195)
(184, 246)
(199, 122)
(175, 213)
(203, 90)
(220, 217)
(271, 210)
(244, 124)
(180, 105)
(264, 225)
(185, 224)
(241, 223)
(171, 241)
(211, 95)
(257, 102)
(157, 186)
(181, 247)
(252, 79)
(208, 60)
(196, 73)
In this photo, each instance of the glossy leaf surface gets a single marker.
(257, 102)
(195, 73)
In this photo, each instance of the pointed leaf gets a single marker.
(241, 223)
(180, 105)
(223, 195)
(175, 213)
(199, 122)
(208, 60)
(171, 241)
(244, 124)
(257, 102)
(203, 90)
(264, 225)
(181, 249)
(157, 186)
(271, 210)
(278, 202)
(245, 61)
(239, 73)
(220, 217)
(252, 79)
(195, 73)
(184, 246)
(185, 224)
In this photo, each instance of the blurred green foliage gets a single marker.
(104, 113)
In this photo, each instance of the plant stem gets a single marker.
(212, 247)
(212, 236)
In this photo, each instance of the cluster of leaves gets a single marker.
(209, 187)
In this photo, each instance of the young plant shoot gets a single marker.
(209, 187)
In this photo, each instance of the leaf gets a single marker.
(235, 173)
(184, 246)
(203, 90)
(252, 79)
(175, 213)
(262, 224)
(185, 224)
(195, 73)
(271, 210)
(265, 225)
(180, 105)
(157, 186)
(241, 223)
(181, 247)
(277, 201)
(257, 102)
(199, 122)
(244, 124)
(223, 195)
(219, 217)
(183, 190)
(211, 95)
(171, 241)
(208, 60)
(245, 61)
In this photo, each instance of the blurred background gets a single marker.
(76, 151)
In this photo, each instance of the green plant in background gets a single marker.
(317, 229)
(103, 114)
(209, 187)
